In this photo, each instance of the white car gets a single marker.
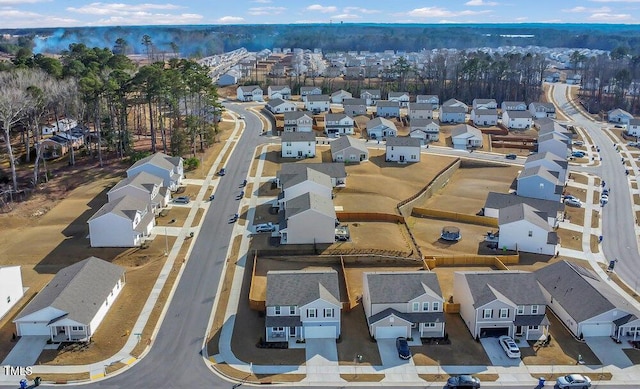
(573, 381)
(509, 346)
(265, 227)
(573, 202)
(604, 199)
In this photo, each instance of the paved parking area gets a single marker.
(322, 360)
(26, 351)
(608, 352)
(496, 354)
(395, 368)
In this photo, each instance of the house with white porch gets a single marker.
(541, 110)
(402, 98)
(403, 149)
(464, 136)
(427, 130)
(338, 124)
(434, 100)
(348, 149)
(74, 303)
(145, 187)
(298, 121)
(619, 116)
(302, 304)
(11, 289)
(250, 93)
(170, 169)
(540, 183)
(484, 116)
(317, 103)
(381, 128)
(338, 97)
(420, 111)
(524, 228)
(124, 222)
(279, 92)
(278, 106)
(517, 119)
(298, 145)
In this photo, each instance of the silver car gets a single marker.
(573, 381)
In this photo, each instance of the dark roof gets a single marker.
(388, 104)
(526, 212)
(283, 321)
(403, 141)
(384, 287)
(318, 98)
(411, 317)
(78, 290)
(300, 287)
(332, 169)
(420, 106)
(126, 207)
(519, 287)
(518, 114)
(503, 200)
(531, 320)
(346, 102)
(299, 136)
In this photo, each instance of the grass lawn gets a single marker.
(570, 239)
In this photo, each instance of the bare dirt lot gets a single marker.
(427, 233)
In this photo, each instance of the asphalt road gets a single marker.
(618, 218)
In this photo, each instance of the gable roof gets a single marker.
(483, 101)
(485, 111)
(465, 129)
(401, 287)
(159, 159)
(513, 103)
(519, 287)
(547, 156)
(345, 142)
(380, 121)
(518, 114)
(125, 206)
(428, 97)
(453, 109)
(298, 136)
(335, 117)
(398, 94)
(332, 169)
(318, 98)
(542, 172)
(277, 102)
(420, 106)
(423, 123)
(526, 212)
(454, 102)
(300, 287)
(388, 104)
(403, 141)
(310, 201)
(341, 92)
(619, 112)
(543, 107)
(275, 88)
(143, 180)
(296, 115)
(553, 136)
(347, 102)
(502, 200)
(249, 88)
(308, 174)
(580, 292)
(79, 290)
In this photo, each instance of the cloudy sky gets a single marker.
(64, 13)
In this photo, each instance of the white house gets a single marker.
(420, 111)
(308, 219)
(143, 186)
(64, 124)
(371, 96)
(484, 116)
(401, 98)
(170, 169)
(484, 104)
(403, 149)
(397, 304)
(335, 170)
(633, 128)
(317, 103)
(302, 304)
(298, 121)
(452, 114)
(307, 181)
(229, 78)
(464, 136)
(338, 97)
(337, 124)
(249, 93)
(513, 106)
(619, 116)
(541, 110)
(540, 183)
(124, 222)
(74, 303)
(348, 149)
(277, 106)
(11, 290)
(517, 119)
(386, 108)
(306, 91)
(381, 128)
(279, 92)
(298, 145)
(429, 99)
(497, 201)
(524, 228)
(427, 130)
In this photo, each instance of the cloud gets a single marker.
(19, 2)
(610, 18)
(14, 18)
(438, 12)
(346, 16)
(615, 1)
(481, 3)
(360, 10)
(135, 14)
(581, 9)
(521, 19)
(230, 20)
(257, 11)
(321, 8)
(120, 8)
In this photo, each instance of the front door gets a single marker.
(299, 153)
(519, 330)
(402, 158)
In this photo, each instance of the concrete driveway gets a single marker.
(395, 368)
(322, 360)
(496, 354)
(608, 352)
(26, 351)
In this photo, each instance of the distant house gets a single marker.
(317, 103)
(633, 128)
(552, 77)
(339, 96)
(401, 98)
(337, 124)
(74, 303)
(420, 111)
(542, 110)
(554, 143)
(524, 228)
(464, 136)
(371, 96)
(335, 171)
(308, 91)
(548, 126)
(453, 114)
(517, 119)
(348, 149)
(497, 201)
(124, 222)
(308, 219)
(229, 78)
(145, 187)
(249, 93)
(62, 125)
(484, 104)
(427, 130)
(540, 183)
(169, 168)
(278, 106)
(575, 79)
(279, 92)
(355, 107)
(381, 128)
(499, 303)
(388, 109)
(298, 145)
(619, 116)
(11, 290)
(484, 116)
(403, 149)
(429, 99)
(513, 106)
(302, 304)
(298, 121)
(393, 311)
(53, 147)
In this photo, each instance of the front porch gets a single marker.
(62, 334)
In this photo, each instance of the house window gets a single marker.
(430, 325)
(534, 309)
(416, 307)
(292, 331)
(487, 313)
(288, 152)
(288, 144)
(436, 306)
(530, 233)
(413, 156)
(520, 310)
(312, 312)
(77, 328)
(534, 327)
(504, 313)
(292, 310)
(277, 310)
(328, 312)
(425, 306)
(8, 299)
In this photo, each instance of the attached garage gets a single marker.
(596, 329)
(493, 332)
(317, 332)
(41, 328)
(391, 332)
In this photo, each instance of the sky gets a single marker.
(74, 13)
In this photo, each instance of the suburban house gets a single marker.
(517, 119)
(513, 106)
(302, 304)
(308, 219)
(587, 305)
(501, 303)
(551, 162)
(398, 303)
(348, 149)
(574, 79)
(540, 183)
(308, 180)
(552, 77)
(619, 116)
(452, 114)
(370, 96)
(484, 116)
(355, 107)
(335, 170)
(145, 187)
(420, 111)
(11, 290)
(124, 222)
(53, 147)
(337, 124)
(429, 99)
(279, 92)
(277, 106)
(62, 125)
(317, 103)
(497, 201)
(170, 169)
(484, 104)
(542, 110)
(548, 126)
(427, 130)
(403, 149)
(306, 91)
(633, 128)
(298, 121)
(249, 93)
(464, 136)
(229, 78)
(401, 98)
(387, 109)
(554, 143)
(339, 96)
(298, 145)
(381, 128)
(74, 303)
(524, 228)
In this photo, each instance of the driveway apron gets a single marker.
(322, 360)
(608, 352)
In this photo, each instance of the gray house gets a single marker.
(348, 149)
(550, 161)
(540, 183)
(381, 128)
(619, 116)
(497, 201)
(387, 109)
(452, 114)
(433, 100)
(355, 107)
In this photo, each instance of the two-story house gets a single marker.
(348, 149)
(401, 98)
(453, 114)
(249, 93)
(513, 106)
(279, 92)
(337, 124)
(540, 183)
(381, 128)
(541, 110)
(306, 91)
(307, 180)
(387, 109)
(434, 100)
(298, 145)
(308, 219)
(484, 116)
(517, 119)
(371, 96)
(420, 111)
(633, 128)
(170, 169)
(124, 222)
(317, 103)
(355, 107)
(298, 121)
(338, 97)
(397, 304)
(484, 104)
(554, 143)
(143, 186)
(278, 106)
(526, 229)
(403, 149)
(427, 130)
(619, 116)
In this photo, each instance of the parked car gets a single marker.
(604, 199)
(568, 197)
(573, 202)
(509, 346)
(222, 172)
(182, 200)
(573, 381)
(619, 126)
(403, 348)
(577, 154)
(463, 381)
(578, 143)
(632, 144)
(265, 227)
(511, 156)
(242, 117)
(605, 192)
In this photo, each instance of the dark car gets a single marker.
(222, 172)
(403, 348)
(463, 381)
(511, 156)
(182, 200)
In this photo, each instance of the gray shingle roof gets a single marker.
(335, 117)
(298, 136)
(398, 94)
(502, 200)
(552, 136)
(126, 206)
(519, 287)
(543, 107)
(276, 102)
(300, 287)
(422, 122)
(380, 121)
(79, 290)
(541, 171)
(420, 106)
(347, 102)
(484, 101)
(325, 98)
(307, 174)
(401, 287)
(142, 180)
(485, 111)
(453, 109)
(410, 317)
(332, 169)
(296, 115)
(159, 159)
(388, 104)
(547, 156)
(310, 201)
(345, 142)
(401, 141)
(519, 114)
(523, 211)
(465, 129)
(454, 102)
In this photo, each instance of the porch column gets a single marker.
(68, 332)
(51, 332)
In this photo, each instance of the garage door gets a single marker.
(34, 329)
(594, 329)
(390, 332)
(493, 332)
(315, 332)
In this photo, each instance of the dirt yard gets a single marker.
(376, 236)
(273, 160)
(427, 233)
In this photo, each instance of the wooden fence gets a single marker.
(499, 262)
(456, 217)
